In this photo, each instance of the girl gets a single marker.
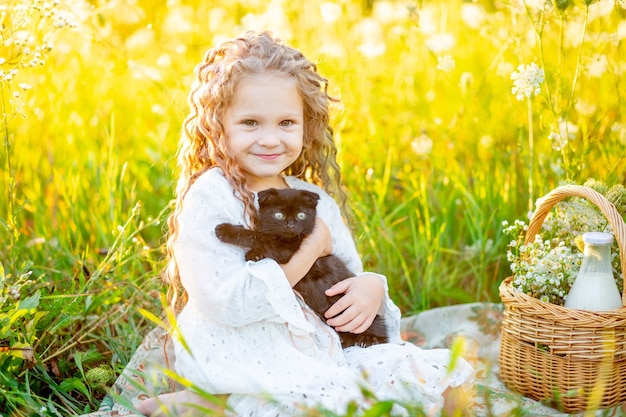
(259, 119)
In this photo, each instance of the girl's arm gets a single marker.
(317, 244)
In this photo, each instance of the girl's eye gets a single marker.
(249, 123)
(286, 123)
(279, 215)
(301, 216)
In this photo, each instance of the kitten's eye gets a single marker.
(301, 216)
(279, 215)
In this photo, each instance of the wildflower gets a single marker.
(440, 42)
(422, 145)
(597, 66)
(585, 108)
(527, 81)
(330, 11)
(332, 49)
(388, 12)
(472, 15)
(371, 37)
(466, 81)
(445, 63)
(558, 142)
(14, 293)
(567, 131)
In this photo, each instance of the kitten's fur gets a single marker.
(285, 218)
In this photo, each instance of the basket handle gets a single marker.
(545, 204)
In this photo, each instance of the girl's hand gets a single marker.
(320, 240)
(318, 243)
(356, 310)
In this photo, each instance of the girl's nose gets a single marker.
(269, 137)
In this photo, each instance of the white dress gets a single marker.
(247, 334)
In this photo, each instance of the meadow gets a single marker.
(454, 117)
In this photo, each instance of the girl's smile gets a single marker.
(264, 128)
(269, 157)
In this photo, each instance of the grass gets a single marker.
(434, 159)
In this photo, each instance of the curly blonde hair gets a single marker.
(203, 144)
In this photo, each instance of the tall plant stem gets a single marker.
(570, 99)
(531, 154)
(10, 181)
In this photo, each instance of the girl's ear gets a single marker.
(267, 195)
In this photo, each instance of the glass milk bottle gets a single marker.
(594, 288)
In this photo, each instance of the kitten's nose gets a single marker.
(291, 224)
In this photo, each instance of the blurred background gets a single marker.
(454, 116)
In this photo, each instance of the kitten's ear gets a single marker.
(267, 195)
(311, 198)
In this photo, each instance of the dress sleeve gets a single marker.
(219, 282)
(345, 248)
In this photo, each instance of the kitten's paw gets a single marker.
(253, 255)
(224, 231)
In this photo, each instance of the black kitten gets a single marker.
(285, 218)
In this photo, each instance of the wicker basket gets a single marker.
(574, 360)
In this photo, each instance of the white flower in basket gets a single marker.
(572, 359)
(547, 267)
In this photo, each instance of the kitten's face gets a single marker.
(287, 213)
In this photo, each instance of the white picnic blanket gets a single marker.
(476, 324)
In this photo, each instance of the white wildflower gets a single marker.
(440, 42)
(390, 11)
(527, 81)
(372, 42)
(445, 63)
(597, 66)
(422, 145)
(472, 15)
(330, 11)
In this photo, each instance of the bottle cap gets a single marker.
(598, 238)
